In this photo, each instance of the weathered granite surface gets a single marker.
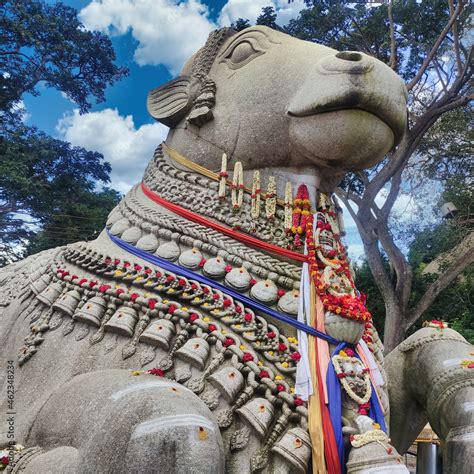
(221, 398)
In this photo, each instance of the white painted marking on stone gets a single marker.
(146, 386)
(449, 362)
(468, 406)
(157, 424)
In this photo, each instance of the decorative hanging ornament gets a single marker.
(354, 378)
(288, 206)
(255, 196)
(237, 193)
(223, 175)
(301, 211)
(270, 199)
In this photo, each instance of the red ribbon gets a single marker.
(246, 239)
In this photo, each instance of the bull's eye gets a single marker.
(241, 54)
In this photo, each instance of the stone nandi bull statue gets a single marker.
(174, 341)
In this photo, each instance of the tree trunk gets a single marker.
(394, 329)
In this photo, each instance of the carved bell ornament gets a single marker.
(215, 268)
(229, 381)
(148, 242)
(195, 351)
(238, 279)
(39, 282)
(169, 251)
(92, 311)
(265, 291)
(289, 302)
(295, 448)
(123, 321)
(68, 302)
(191, 259)
(50, 294)
(258, 414)
(158, 333)
(132, 235)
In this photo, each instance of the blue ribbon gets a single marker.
(335, 406)
(254, 305)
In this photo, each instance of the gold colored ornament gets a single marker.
(270, 198)
(237, 193)
(223, 175)
(255, 196)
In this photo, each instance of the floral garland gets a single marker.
(271, 199)
(348, 356)
(301, 212)
(223, 175)
(255, 196)
(237, 193)
(288, 207)
(371, 436)
(349, 305)
(5, 455)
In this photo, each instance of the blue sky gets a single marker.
(152, 38)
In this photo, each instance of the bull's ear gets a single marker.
(171, 102)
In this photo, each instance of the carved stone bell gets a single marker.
(122, 321)
(39, 282)
(158, 333)
(50, 294)
(195, 351)
(258, 413)
(295, 447)
(68, 302)
(92, 311)
(229, 381)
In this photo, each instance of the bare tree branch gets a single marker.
(437, 44)
(393, 44)
(455, 39)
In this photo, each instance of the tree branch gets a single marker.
(456, 40)
(437, 44)
(393, 44)
(460, 258)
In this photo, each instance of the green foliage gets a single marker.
(47, 180)
(268, 18)
(430, 249)
(240, 24)
(455, 304)
(446, 149)
(81, 217)
(44, 42)
(49, 192)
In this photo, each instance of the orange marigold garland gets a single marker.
(301, 212)
(348, 304)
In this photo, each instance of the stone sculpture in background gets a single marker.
(189, 336)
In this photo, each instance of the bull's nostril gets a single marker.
(349, 56)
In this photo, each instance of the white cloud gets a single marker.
(167, 32)
(251, 9)
(127, 148)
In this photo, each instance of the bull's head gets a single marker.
(273, 101)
